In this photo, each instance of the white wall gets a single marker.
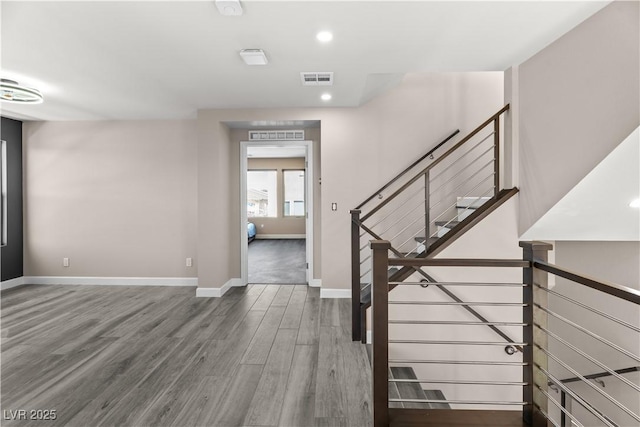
(578, 99)
(116, 198)
(362, 148)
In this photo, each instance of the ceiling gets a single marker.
(165, 60)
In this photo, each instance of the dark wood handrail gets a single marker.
(469, 136)
(434, 163)
(458, 262)
(401, 174)
(623, 292)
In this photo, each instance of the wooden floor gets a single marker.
(157, 356)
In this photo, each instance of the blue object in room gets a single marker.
(251, 231)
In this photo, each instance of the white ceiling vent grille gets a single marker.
(276, 135)
(317, 79)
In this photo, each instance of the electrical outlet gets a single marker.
(189, 262)
(65, 262)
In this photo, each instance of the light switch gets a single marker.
(334, 206)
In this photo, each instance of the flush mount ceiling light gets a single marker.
(324, 36)
(11, 91)
(254, 57)
(326, 97)
(635, 203)
(229, 7)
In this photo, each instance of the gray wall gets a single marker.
(12, 258)
(362, 148)
(117, 198)
(578, 99)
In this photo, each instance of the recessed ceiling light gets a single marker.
(324, 36)
(11, 91)
(635, 203)
(229, 7)
(326, 97)
(254, 57)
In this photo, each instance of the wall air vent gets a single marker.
(276, 135)
(317, 79)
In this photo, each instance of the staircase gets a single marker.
(396, 234)
(427, 207)
(406, 392)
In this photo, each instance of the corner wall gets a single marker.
(578, 99)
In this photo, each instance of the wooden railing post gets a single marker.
(531, 335)
(496, 154)
(427, 219)
(356, 318)
(380, 324)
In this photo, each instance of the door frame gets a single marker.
(309, 174)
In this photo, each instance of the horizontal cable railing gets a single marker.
(389, 342)
(429, 154)
(422, 204)
(581, 328)
(564, 330)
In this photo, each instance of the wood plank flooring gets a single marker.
(264, 355)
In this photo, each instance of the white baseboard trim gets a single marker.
(315, 283)
(280, 236)
(369, 337)
(111, 281)
(218, 292)
(12, 283)
(335, 293)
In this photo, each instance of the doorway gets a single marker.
(276, 182)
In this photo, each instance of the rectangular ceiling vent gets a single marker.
(276, 135)
(317, 79)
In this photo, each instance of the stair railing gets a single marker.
(549, 319)
(578, 324)
(424, 206)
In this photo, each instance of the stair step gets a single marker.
(437, 395)
(447, 224)
(409, 390)
(365, 294)
(394, 393)
(471, 202)
(421, 239)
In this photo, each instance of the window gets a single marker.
(261, 193)
(3, 185)
(294, 197)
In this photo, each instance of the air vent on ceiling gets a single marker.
(276, 135)
(317, 79)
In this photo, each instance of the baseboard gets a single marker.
(335, 293)
(315, 283)
(369, 337)
(111, 281)
(12, 283)
(218, 292)
(280, 236)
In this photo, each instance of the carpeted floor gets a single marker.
(281, 261)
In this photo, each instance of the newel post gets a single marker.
(532, 377)
(356, 318)
(380, 326)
